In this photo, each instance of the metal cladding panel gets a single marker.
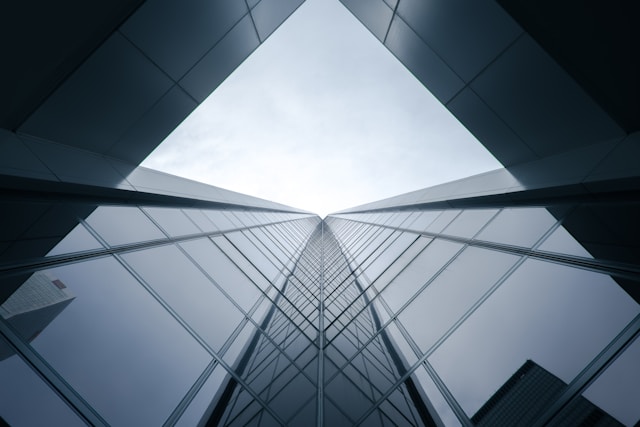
(503, 86)
(97, 104)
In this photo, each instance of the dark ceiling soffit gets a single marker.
(628, 191)
(41, 60)
(596, 45)
(35, 190)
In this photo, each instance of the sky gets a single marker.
(321, 117)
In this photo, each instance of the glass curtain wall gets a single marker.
(471, 297)
(305, 362)
(167, 316)
(140, 314)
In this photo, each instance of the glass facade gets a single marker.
(161, 316)
(132, 297)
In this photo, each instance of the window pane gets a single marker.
(173, 221)
(433, 258)
(188, 292)
(556, 316)
(199, 405)
(617, 390)
(109, 339)
(469, 222)
(201, 220)
(79, 239)
(219, 220)
(118, 225)
(25, 399)
(560, 241)
(518, 226)
(223, 271)
(452, 293)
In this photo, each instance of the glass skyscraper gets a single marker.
(132, 297)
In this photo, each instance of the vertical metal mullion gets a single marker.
(49, 376)
(320, 402)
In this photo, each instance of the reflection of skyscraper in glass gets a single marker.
(34, 305)
(527, 393)
(195, 305)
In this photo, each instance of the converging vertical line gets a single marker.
(320, 402)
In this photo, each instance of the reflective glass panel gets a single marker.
(223, 271)
(118, 225)
(518, 226)
(109, 339)
(173, 221)
(556, 316)
(617, 390)
(25, 399)
(188, 291)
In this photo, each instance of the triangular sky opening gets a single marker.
(321, 117)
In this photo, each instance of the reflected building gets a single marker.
(195, 305)
(530, 388)
(34, 305)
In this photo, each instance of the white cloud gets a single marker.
(321, 117)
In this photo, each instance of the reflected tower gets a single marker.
(186, 304)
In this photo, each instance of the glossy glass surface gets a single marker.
(173, 221)
(155, 331)
(253, 254)
(113, 343)
(454, 291)
(559, 317)
(442, 221)
(387, 254)
(469, 222)
(518, 226)
(22, 391)
(423, 220)
(187, 291)
(560, 241)
(220, 219)
(419, 272)
(199, 405)
(256, 276)
(118, 225)
(202, 221)
(220, 268)
(79, 239)
(617, 390)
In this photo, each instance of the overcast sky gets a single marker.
(321, 117)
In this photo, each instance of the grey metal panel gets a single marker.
(216, 65)
(466, 34)
(17, 219)
(102, 99)
(374, 14)
(148, 180)
(540, 102)
(175, 35)
(17, 159)
(28, 248)
(144, 136)
(43, 42)
(494, 182)
(489, 128)
(598, 45)
(570, 167)
(71, 164)
(422, 61)
(622, 162)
